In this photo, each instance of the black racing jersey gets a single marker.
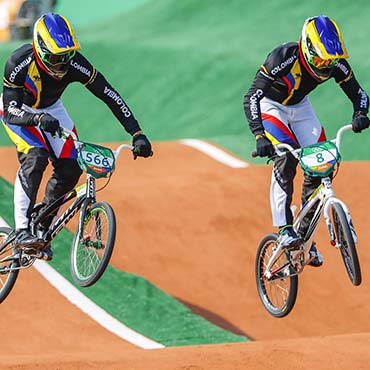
(286, 78)
(26, 83)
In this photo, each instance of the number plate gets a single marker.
(96, 160)
(319, 159)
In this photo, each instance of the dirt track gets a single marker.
(191, 227)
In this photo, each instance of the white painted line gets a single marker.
(215, 153)
(3, 223)
(87, 306)
(92, 309)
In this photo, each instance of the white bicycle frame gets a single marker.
(324, 197)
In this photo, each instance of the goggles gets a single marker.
(57, 59)
(319, 63)
(54, 59)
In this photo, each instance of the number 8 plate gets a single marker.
(319, 159)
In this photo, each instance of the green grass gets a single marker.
(131, 299)
(184, 66)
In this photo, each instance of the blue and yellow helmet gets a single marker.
(54, 43)
(322, 45)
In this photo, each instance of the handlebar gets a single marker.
(295, 152)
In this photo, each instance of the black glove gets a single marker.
(360, 122)
(142, 146)
(48, 123)
(264, 147)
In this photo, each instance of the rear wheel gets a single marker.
(347, 244)
(91, 251)
(278, 293)
(9, 267)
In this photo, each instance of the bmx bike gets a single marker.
(277, 265)
(94, 239)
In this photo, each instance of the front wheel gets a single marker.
(92, 250)
(9, 267)
(278, 292)
(346, 244)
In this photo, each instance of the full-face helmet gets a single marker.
(321, 45)
(54, 44)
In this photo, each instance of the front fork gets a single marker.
(333, 239)
(90, 199)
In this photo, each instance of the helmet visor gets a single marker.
(315, 60)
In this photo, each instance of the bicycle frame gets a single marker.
(85, 195)
(57, 225)
(322, 198)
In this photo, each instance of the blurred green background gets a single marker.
(184, 66)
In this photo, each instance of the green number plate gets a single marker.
(319, 159)
(96, 160)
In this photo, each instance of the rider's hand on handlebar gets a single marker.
(142, 146)
(360, 122)
(264, 147)
(48, 123)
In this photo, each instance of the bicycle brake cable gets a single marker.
(106, 184)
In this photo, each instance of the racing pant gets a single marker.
(298, 126)
(35, 149)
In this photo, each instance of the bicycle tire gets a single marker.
(90, 254)
(347, 244)
(7, 279)
(278, 295)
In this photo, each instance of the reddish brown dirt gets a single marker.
(191, 226)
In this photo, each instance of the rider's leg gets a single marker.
(275, 118)
(66, 173)
(308, 130)
(32, 167)
(310, 184)
(64, 178)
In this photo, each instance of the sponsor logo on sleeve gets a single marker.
(283, 64)
(254, 103)
(18, 68)
(12, 109)
(342, 67)
(81, 68)
(114, 96)
(364, 102)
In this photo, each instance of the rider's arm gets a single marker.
(13, 112)
(13, 85)
(100, 87)
(268, 82)
(252, 98)
(357, 95)
(347, 81)
(83, 71)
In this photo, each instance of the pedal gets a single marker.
(34, 246)
(33, 252)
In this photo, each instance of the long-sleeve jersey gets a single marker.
(25, 83)
(286, 78)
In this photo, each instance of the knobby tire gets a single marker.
(7, 279)
(347, 244)
(91, 252)
(278, 294)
